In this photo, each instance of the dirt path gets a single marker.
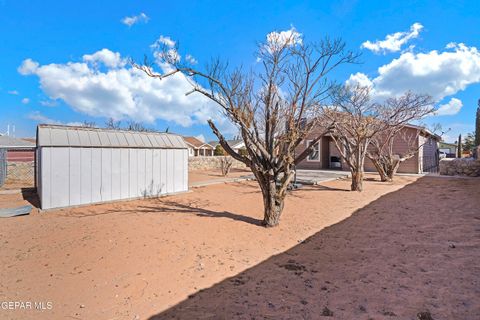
(131, 260)
(199, 176)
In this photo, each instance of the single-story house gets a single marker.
(17, 159)
(449, 149)
(235, 144)
(326, 155)
(18, 150)
(197, 148)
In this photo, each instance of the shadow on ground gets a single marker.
(30, 195)
(162, 206)
(411, 254)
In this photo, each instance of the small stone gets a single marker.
(451, 245)
(82, 306)
(327, 312)
(424, 316)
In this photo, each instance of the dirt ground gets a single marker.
(409, 247)
(210, 175)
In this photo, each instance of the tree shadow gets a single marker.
(387, 260)
(161, 206)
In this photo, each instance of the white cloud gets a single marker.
(440, 74)
(359, 78)
(130, 21)
(25, 100)
(190, 59)
(49, 103)
(200, 137)
(40, 118)
(164, 50)
(163, 40)
(450, 108)
(106, 57)
(28, 67)
(277, 40)
(393, 42)
(125, 93)
(13, 92)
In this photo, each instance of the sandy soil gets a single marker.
(132, 260)
(212, 175)
(15, 184)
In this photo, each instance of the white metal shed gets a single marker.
(77, 165)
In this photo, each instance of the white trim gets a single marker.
(319, 152)
(207, 144)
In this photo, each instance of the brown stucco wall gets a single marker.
(415, 164)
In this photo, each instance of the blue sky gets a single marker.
(50, 72)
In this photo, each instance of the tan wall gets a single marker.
(465, 167)
(209, 162)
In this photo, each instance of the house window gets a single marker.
(315, 154)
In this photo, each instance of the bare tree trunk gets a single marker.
(393, 170)
(382, 169)
(357, 180)
(273, 200)
(382, 172)
(273, 206)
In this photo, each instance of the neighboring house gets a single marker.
(236, 144)
(449, 149)
(18, 150)
(325, 155)
(197, 148)
(17, 159)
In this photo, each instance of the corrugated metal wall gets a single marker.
(73, 175)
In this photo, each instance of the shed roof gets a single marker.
(10, 142)
(72, 136)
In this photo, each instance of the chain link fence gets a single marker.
(3, 166)
(17, 168)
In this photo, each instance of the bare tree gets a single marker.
(404, 109)
(383, 155)
(130, 126)
(360, 122)
(226, 163)
(274, 108)
(113, 124)
(88, 124)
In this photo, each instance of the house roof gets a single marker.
(73, 136)
(32, 140)
(448, 144)
(10, 142)
(231, 143)
(196, 143)
(424, 130)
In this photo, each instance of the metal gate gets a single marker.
(430, 164)
(3, 166)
